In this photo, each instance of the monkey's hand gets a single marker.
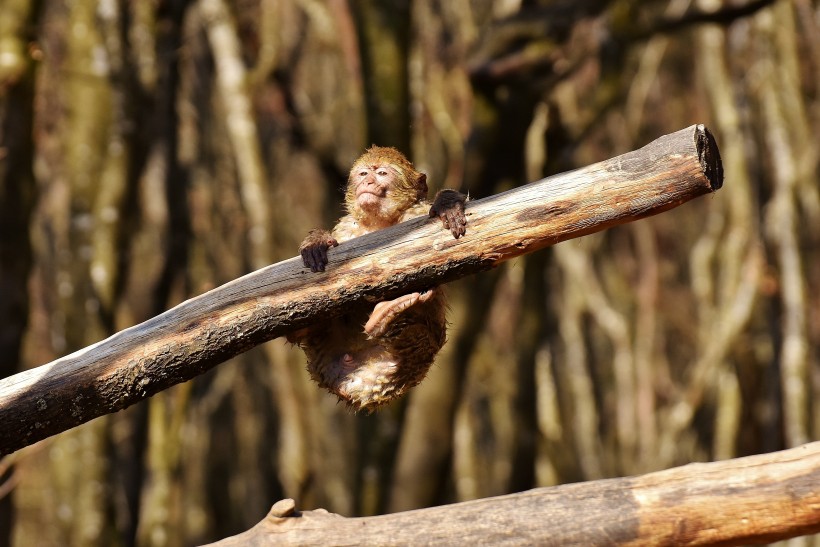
(314, 249)
(386, 312)
(449, 207)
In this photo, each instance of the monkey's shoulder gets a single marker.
(421, 208)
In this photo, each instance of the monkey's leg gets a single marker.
(385, 312)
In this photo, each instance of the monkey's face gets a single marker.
(376, 191)
(372, 184)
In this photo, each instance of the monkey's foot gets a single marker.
(386, 312)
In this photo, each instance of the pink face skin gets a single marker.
(373, 184)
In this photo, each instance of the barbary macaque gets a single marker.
(372, 355)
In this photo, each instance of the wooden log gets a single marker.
(757, 499)
(204, 331)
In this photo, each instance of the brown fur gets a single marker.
(372, 355)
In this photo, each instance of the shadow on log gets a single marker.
(757, 499)
(209, 329)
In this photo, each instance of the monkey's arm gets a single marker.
(449, 207)
(314, 249)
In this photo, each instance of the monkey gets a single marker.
(374, 354)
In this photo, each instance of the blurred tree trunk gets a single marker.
(156, 252)
(17, 197)
(786, 134)
(84, 149)
(384, 34)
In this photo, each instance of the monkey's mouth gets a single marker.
(370, 194)
(369, 200)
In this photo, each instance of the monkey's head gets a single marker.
(382, 185)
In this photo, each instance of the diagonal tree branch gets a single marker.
(209, 329)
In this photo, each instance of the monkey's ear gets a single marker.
(421, 186)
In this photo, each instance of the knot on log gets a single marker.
(283, 508)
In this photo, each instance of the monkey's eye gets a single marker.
(362, 173)
(382, 172)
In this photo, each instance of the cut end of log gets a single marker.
(709, 156)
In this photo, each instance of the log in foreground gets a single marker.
(207, 330)
(757, 499)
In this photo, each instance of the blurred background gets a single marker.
(151, 150)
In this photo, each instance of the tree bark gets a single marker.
(757, 499)
(209, 329)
